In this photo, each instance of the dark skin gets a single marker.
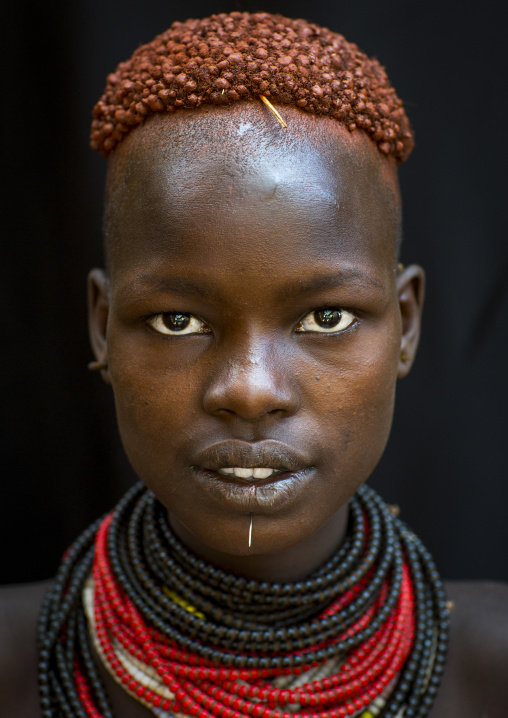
(247, 231)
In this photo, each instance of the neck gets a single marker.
(292, 564)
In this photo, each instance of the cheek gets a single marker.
(355, 399)
(155, 402)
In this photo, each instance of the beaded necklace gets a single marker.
(365, 635)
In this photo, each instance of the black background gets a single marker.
(445, 464)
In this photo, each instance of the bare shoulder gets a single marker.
(19, 610)
(475, 682)
(480, 622)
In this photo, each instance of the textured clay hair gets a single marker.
(238, 57)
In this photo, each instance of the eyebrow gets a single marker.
(179, 285)
(175, 285)
(343, 277)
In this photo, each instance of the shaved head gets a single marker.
(192, 153)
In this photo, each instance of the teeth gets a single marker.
(258, 473)
(243, 473)
(262, 473)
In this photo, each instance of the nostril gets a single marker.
(247, 408)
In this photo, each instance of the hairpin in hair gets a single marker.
(273, 110)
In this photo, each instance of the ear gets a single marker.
(411, 291)
(98, 311)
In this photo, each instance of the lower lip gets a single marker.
(263, 495)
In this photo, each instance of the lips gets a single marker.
(234, 454)
(219, 469)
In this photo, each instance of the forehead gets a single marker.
(183, 184)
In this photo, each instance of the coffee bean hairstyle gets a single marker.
(238, 57)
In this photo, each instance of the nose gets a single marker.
(252, 382)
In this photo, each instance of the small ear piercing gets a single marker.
(400, 267)
(97, 365)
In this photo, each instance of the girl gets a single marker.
(253, 320)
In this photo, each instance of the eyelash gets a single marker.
(156, 322)
(327, 312)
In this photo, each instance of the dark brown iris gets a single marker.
(175, 322)
(328, 318)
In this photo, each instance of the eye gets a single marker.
(175, 323)
(326, 320)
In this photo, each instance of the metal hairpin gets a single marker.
(274, 112)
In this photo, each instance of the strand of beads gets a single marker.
(210, 690)
(369, 628)
(66, 666)
(225, 627)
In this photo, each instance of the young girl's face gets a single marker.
(253, 319)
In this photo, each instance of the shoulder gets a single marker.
(475, 682)
(480, 621)
(19, 611)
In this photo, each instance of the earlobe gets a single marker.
(98, 311)
(411, 292)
